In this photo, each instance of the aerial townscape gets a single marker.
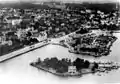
(83, 29)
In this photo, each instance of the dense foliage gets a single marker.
(61, 66)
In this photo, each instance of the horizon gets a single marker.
(63, 1)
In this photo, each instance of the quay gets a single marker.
(30, 48)
(22, 51)
(54, 41)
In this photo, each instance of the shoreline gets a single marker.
(38, 45)
(32, 47)
(97, 55)
(26, 49)
(60, 74)
(22, 51)
(100, 69)
(88, 53)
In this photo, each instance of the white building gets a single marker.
(72, 70)
(13, 20)
(42, 36)
(21, 33)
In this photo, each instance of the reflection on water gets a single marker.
(18, 70)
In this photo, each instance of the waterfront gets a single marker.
(37, 22)
(18, 70)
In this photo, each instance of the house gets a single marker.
(21, 33)
(42, 36)
(14, 20)
(10, 42)
(68, 40)
(88, 11)
(72, 70)
(2, 39)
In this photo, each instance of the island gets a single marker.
(95, 43)
(65, 67)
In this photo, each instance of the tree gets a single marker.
(82, 31)
(33, 40)
(36, 26)
(39, 60)
(79, 63)
(29, 34)
(95, 66)
(86, 64)
(46, 61)
(53, 62)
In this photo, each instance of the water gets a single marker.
(18, 70)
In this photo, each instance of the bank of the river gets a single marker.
(106, 52)
(55, 41)
(63, 74)
(32, 47)
(22, 51)
(102, 67)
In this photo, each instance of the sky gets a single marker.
(11, 1)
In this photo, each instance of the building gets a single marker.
(14, 20)
(3, 40)
(42, 36)
(68, 40)
(10, 42)
(21, 33)
(72, 70)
